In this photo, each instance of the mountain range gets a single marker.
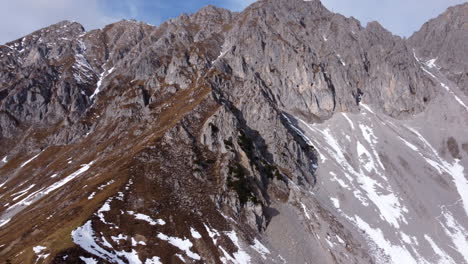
(284, 133)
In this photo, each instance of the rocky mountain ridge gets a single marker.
(186, 142)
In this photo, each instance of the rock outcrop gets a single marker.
(183, 142)
(440, 43)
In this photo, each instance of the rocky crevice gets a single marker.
(201, 112)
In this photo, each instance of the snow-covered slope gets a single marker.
(397, 188)
(284, 133)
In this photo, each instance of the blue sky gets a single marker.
(20, 17)
(157, 11)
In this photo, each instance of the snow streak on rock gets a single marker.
(260, 248)
(85, 237)
(66, 180)
(29, 160)
(103, 75)
(431, 64)
(397, 254)
(182, 244)
(442, 257)
(455, 170)
(39, 250)
(195, 233)
(17, 207)
(153, 260)
(147, 218)
(89, 260)
(365, 175)
(457, 233)
(240, 256)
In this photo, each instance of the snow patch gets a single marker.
(146, 218)
(103, 75)
(105, 185)
(444, 86)
(366, 107)
(384, 250)
(305, 211)
(213, 233)
(457, 233)
(338, 156)
(240, 256)
(182, 244)
(84, 236)
(340, 239)
(3, 183)
(428, 72)
(431, 63)
(329, 243)
(31, 159)
(38, 250)
(370, 166)
(411, 146)
(83, 71)
(120, 196)
(4, 221)
(55, 186)
(260, 248)
(444, 258)
(195, 233)
(454, 95)
(89, 260)
(349, 121)
(91, 196)
(365, 157)
(298, 131)
(136, 243)
(339, 181)
(341, 60)
(335, 202)
(180, 257)
(117, 239)
(31, 198)
(455, 170)
(104, 208)
(153, 260)
(106, 243)
(19, 194)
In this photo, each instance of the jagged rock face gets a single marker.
(197, 139)
(441, 41)
(37, 78)
(315, 62)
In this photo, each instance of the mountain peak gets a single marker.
(216, 135)
(61, 29)
(441, 38)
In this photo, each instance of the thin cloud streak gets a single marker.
(21, 17)
(238, 5)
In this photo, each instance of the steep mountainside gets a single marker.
(441, 43)
(281, 134)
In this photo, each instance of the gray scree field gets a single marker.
(284, 133)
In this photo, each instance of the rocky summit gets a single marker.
(284, 133)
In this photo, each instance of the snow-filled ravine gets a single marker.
(396, 181)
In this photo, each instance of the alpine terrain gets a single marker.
(284, 133)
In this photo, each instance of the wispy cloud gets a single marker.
(150, 11)
(21, 17)
(238, 5)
